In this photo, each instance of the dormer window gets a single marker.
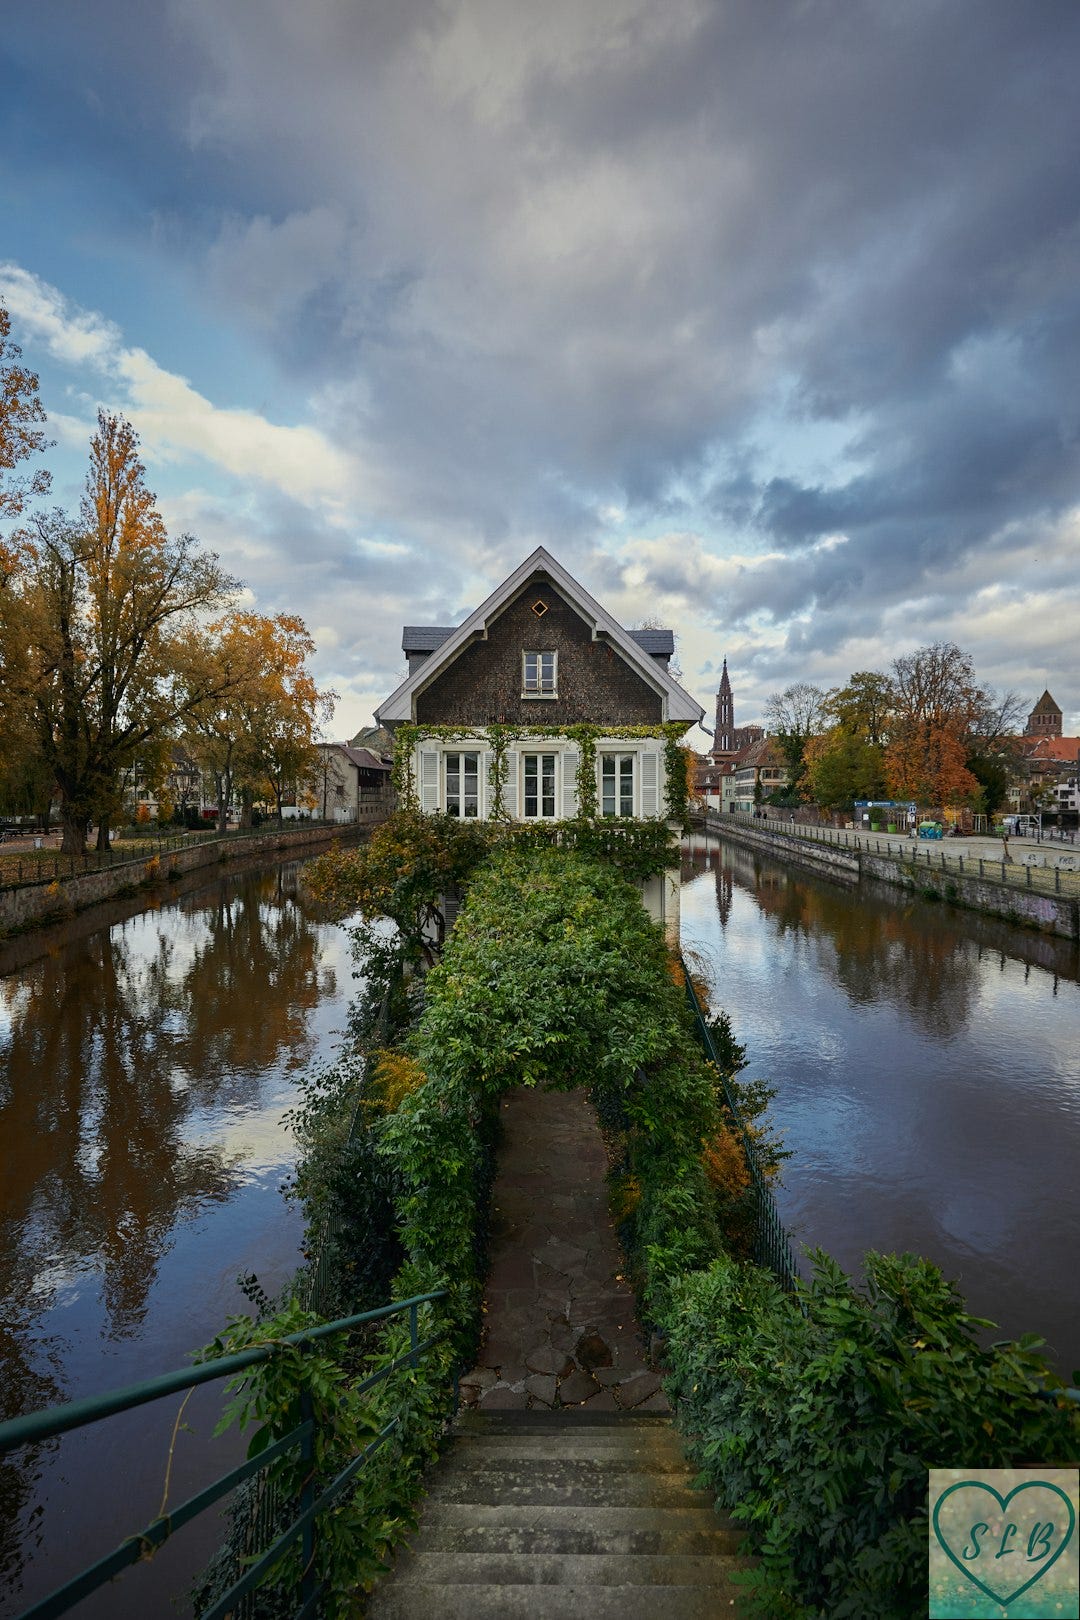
(538, 674)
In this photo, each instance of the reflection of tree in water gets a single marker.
(878, 950)
(116, 1043)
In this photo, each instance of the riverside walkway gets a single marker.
(565, 1491)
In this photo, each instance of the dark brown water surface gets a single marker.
(927, 1065)
(144, 1071)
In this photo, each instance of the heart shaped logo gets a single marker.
(1004, 1544)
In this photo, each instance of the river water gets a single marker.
(926, 1062)
(927, 1065)
(144, 1070)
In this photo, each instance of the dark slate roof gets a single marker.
(364, 758)
(424, 638)
(660, 643)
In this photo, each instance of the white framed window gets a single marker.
(616, 784)
(538, 786)
(539, 674)
(462, 787)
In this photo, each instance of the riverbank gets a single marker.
(36, 905)
(920, 868)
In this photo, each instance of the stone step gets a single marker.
(562, 1569)
(566, 1418)
(548, 1454)
(695, 1514)
(434, 1601)
(576, 1530)
(566, 1484)
(549, 1443)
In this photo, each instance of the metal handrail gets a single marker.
(37, 1426)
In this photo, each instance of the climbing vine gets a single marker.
(498, 738)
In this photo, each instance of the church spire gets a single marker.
(724, 739)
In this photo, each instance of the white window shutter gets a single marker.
(429, 780)
(510, 786)
(650, 784)
(486, 793)
(569, 783)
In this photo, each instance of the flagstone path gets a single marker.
(560, 1328)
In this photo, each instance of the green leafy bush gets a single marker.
(817, 1425)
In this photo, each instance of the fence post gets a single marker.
(1028, 871)
(307, 1496)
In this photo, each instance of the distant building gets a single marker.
(729, 740)
(353, 784)
(1044, 719)
(760, 770)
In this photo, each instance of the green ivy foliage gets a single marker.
(498, 738)
(817, 1420)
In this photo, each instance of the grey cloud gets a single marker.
(537, 269)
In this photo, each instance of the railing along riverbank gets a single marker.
(52, 893)
(313, 1499)
(1036, 886)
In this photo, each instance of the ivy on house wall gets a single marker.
(499, 738)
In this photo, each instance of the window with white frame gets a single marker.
(539, 671)
(538, 798)
(616, 784)
(462, 797)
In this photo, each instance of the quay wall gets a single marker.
(1027, 908)
(49, 901)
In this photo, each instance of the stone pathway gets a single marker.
(560, 1328)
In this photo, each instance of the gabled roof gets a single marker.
(424, 638)
(1046, 705)
(398, 707)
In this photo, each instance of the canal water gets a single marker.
(927, 1066)
(144, 1071)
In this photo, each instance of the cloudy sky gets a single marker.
(764, 317)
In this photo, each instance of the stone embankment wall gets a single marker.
(1052, 913)
(50, 902)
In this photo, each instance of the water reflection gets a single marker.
(927, 1067)
(143, 1073)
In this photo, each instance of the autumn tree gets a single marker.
(110, 603)
(793, 716)
(21, 436)
(939, 709)
(280, 707)
(847, 762)
(21, 430)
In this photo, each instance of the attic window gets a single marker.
(538, 674)
(539, 608)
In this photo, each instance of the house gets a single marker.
(540, 707)
(352, 784)
(760, 770)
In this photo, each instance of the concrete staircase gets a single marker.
(568, 1515)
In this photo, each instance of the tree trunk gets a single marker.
(74, 839)
(247, 800)
(103, 833)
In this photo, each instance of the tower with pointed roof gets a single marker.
(724, 739)
(1044, 719)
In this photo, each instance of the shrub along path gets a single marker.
(560, 1325)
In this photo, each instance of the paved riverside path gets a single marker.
(560, 1327)
(565, 1493)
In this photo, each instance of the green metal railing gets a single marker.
(38, 1426)
(772, 1245)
